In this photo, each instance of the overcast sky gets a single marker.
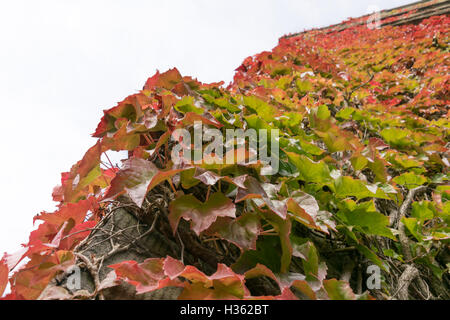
(63, 62)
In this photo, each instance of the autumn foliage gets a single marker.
(363, 119)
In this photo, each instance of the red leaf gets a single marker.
(201, 214)
(90, 160)
(4, 270)
(261, 270)
(121, 140)
(134, 178)
(12, 260)
(130, 108)
(207, 177)
(242, 231)
(338, 290)
(172, 267)
(58, 193)
(210, 178)
(167, 80)
(192, 117)
(303, 287)
(57, 239)
(32, 279)
(137, 177)
(76, 211)
(255, 190)
(146, 276)
(76, 234)
(223, 284)
(378, 144)
(164, 175)
(286, 294)
(305, 210)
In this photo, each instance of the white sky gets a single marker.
(63, 62)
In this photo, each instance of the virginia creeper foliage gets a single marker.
(363, 119)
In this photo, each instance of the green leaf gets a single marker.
(323, 112)
(225, 103)
(257, 123)
(348, 187)
(345, 113)
(359, 162)
(187, 178)
(378, 168)
(391, 253)
(311, 148)
(309, 170)
(413, 225)
(338, 290)
(292, 120)
(423, 210)
(365, 217)
(187, 104)
(314, 271)
(397, 137)
(404, 162)
(267, 253)
(303, 86)
(372, 257)
(283, 228)
(262, 108)
(410, 180)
